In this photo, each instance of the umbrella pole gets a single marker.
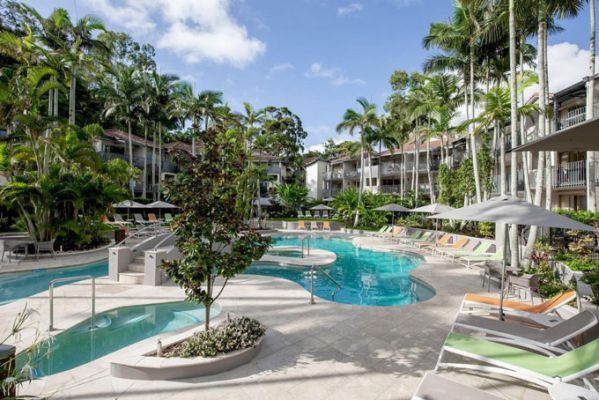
(503, 271)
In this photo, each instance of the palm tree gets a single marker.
(249, 121)
(385, 135)
(353, 120)
(208, 102)
(591, 194)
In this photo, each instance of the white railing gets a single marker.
(570, 174)
(572, 117)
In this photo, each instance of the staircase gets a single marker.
(134, 275)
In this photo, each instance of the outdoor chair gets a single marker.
(384, 229)
(442, 241)
(44, 247)
(314, 226)
(119, 219)
(11, 246)
(434, 387)
(425, 237)
(301, 225)
(460, 243)
(168, 218)
(526, 283)
(549, 339)
(467, 247)
(482, 247)
(413, 236)
(326, 226)
(307, 214)
(139, 219)
(522, 364)
(152, 218)
(475, 303)
(300, 214)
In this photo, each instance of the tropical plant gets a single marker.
(292, 196)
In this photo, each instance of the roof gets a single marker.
(410, 147)
(313, 160)
(120, 135)
(581, 137)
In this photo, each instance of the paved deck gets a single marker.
(321, 351)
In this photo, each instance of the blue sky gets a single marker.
(313, 56)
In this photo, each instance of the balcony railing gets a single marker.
(170, 167)
(137, 161)
(333, 175)
(570, 175)
(391, 189)
(331, 192)
(273, 170)
(572, 117)
(352, 174)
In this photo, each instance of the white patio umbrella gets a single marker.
(434, 208)
(160, 205)
(128, 204)
(263, 201)
(509, 210)
(321, 208)
(392, 208)
(328, 199)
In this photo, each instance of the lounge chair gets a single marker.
(300, 214)
(522, 364)
(314, 226)
(543, 340)
(168, 218)
(472, 260)
(139, 219)
(118, 219)
(426, 236)
(307, 214)
(384, 231)
(412, 236)
(395, 233)
(483, 247)
(473, 302)
(460, 243)
(326, 226)
(301, 225)
(434, 387)
(152, 218)
(442, 241)
(44, 247)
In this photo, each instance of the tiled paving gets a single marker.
(321, 351)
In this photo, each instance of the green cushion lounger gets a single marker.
(384, 229)
(426, 236)
(414, 235)
(470, 261)
(479, 250)
(522, 364)
(435, 387)
(551, 340)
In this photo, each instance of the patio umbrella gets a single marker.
(328, 199)
(321, 208)
(263, 201)
(392, 208)
(128, 204)
(160, 205)
(510, 210)
(434, 208)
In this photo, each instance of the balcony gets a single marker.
(331, 192)
(170, 167)
(137, 161)
(273, 170)
(333, 176)
(352, 174)
(572, 117)
(391, 189)
(570, 175)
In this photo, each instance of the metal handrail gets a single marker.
(68, 279)
(303, 239)
(337, 284)
(163, 240)
(136, 234)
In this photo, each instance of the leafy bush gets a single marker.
(233, 334)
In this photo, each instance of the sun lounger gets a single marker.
(168, 218)
(441, 242)
(543, 340)
(307, 214)
(470, 261)
(152, 218)
(522, 364)
(118, 219)
(384, 229)
(475, 302)
(300, 214)
(460, 243)
(426, 236)
(301, 225)
(314, 226)
(434, 387)
(482, 248)
(326, 226)
(139, 219)
(414, 235)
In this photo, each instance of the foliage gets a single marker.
(233, 334)
(584, 216)
(292, 196)
(211, 232)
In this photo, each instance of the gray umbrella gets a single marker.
(161, 204)
(321, 208)
(328, 199)
(392, 208)
(509, 210)
(128, 204)
(434, 208)
(264, 202)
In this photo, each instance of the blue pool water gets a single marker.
(14, 286)
(370, 278)
(115, 329)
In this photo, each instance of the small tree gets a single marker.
(211, 232)
(292, 196)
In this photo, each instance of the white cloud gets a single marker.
(195, 30)
(350, 9)
(337, 139)
(280, 67)
(333, 75)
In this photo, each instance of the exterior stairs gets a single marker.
(134, 275)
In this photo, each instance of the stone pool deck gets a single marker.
(321, 351)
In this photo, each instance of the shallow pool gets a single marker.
(367, 277)
(114, 330)
(18, 285)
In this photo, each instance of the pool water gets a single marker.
(14, 286)
(285, 253)
(114, 330)
(370, 278)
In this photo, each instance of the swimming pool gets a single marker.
(370, 278)
(115, 330)
(18, 285)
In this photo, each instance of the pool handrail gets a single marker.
(68, 279)
(337, 284)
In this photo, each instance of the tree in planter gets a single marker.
(211, 231)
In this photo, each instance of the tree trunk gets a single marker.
(417, 169)
(525, 155)
(591, 178)
(72, 94)
(429, 173)
(144, 178)
(129, 131)
(159, 182)
(513, 237)
(471, 130)
(154, 162)
(502, 169)
(402, 181)
(380, 170)
(361, 186)
(370, 169)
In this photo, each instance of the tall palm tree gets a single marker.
(591, 190)
(359, 120)
(385, 136)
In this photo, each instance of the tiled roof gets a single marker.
(120, 135)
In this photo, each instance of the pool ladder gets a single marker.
(338, 286)
(305, 238)
(69, 279)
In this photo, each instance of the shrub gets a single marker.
(233, 334)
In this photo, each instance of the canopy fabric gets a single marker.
(328, 199)
(393, 208)
(161, 204)
(509, 210)
(263, 201)
(581, 137)
(321, 207)
(434, 208)
(128, 204)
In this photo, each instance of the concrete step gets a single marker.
(136, 266)
(131, 277)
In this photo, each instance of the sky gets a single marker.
(314, 56)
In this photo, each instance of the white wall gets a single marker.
(315, 179)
